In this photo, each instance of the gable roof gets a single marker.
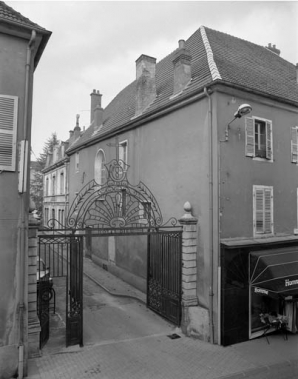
(9, 14)
(13, 18)
(216, 57)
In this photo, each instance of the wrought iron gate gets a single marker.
(43, 310)
(164, 274)
(62, 256)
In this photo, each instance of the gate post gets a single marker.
(194, 318)
(33, 321)
(189, 257)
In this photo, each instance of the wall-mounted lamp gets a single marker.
(243, 110)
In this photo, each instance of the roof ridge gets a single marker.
(211, 63)
(247, 41)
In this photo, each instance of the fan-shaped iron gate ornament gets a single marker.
(116, 203)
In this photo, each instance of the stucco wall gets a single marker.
(239, 173)
(169, 155)
(12, 78)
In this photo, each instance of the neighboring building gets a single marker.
(36, 186)
(181, 132)
(22, 44)
(55, 184)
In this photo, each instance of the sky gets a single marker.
(94, 45)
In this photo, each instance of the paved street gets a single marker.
(123, 339)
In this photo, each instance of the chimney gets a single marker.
(146, 87)
(273, 49)
(182, 68)
(77, 129)
(95, 101)
(98, 117)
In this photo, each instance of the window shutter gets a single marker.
(8, 132)
(294, 145)
(249, 137)
(267, 210)
(268, 140)
(259, 211)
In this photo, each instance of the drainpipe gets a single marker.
(211, 247)
(24, 210)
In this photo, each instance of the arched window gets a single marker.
(47, 186)
(53, 185)
(61, 183)
(99, 168)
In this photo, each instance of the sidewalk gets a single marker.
(159, 357)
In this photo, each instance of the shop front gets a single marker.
(273, 289)
(258, 278)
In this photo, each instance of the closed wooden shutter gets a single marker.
(249, 137)
(8, 132)
(267, 210)
(269, 140)
(259, 211)
(263, 210)
(294, 145)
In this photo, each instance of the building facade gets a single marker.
(213, 123)
(55, 179)
(22, 44)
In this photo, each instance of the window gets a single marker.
(294, 145)
(8, 132)
(53, 185)
(46, 216)
(62, 183)
(47, 186)
(77, 161)
(263, 210)
(123, 151)
(99, 168)
(258, 138)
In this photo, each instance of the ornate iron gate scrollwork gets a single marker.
(116, 203)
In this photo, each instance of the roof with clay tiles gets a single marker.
(9, 14)
(216, 58)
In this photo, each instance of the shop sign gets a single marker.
(261, 291)
(289, 282)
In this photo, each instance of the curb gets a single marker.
(114, 293)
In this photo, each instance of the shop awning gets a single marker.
(275, 270)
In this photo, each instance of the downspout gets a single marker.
(211, 247)
(24, 211)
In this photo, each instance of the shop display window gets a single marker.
(262, 302)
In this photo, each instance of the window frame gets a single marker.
(122, 150)
(62, 183)
(263, 212)
(103, 171)
(54, 185)
(250, 142)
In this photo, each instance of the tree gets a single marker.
(36, 182)
(48, 147)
